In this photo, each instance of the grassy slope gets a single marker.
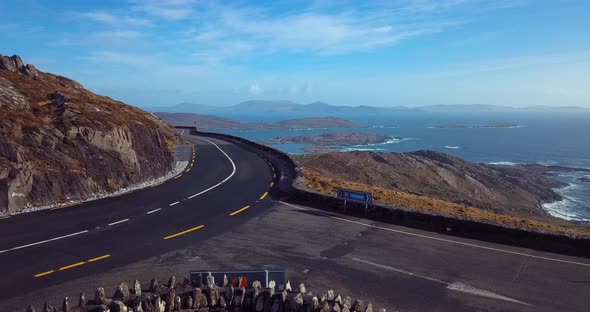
(321, 182)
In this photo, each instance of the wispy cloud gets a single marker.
(166, 9)
(114, 20)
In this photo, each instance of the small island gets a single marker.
(494, 125)
(331, 141)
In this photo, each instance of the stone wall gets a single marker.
(220, 296)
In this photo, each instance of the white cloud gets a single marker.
(165, 9)
(255, 89)
(121, 34)
(112, 19)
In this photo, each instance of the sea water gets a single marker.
(538, 137)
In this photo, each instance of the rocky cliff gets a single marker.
(59, 141)
(515, 190)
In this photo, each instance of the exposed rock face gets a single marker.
(506, 189)
(59, 141)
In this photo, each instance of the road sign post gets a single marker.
(356, 196)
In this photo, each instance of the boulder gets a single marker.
(302, 289)
(358, 306)
(153, 285)
(99, 296)
(66, 305)
(118, 306)
(30, 308)
(82, 300)
(137, 288)
(121, 291)
(170, 300)
(171, 282)
(369, 308)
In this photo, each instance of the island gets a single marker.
(494, 125)
(332, 141)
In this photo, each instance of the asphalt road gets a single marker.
(226, 186)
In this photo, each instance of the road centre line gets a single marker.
(238, 211)
(224, 180)
(178, 176)
(77, 264)
(98, 258)
(43, 241)
(441, 239)
(174, 203)
(263, 196)
(117, 222)
(184, 232)
(44, 273)
(71, 266)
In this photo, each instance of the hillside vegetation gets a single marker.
(59, 141)
(443, 184)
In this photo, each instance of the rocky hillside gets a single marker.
(59, 141)
(513, 190)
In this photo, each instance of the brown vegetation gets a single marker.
(326, 181)
(59, 140)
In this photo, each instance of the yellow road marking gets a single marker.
(274, 176)
(272, 184)
(189, 169)
(178, 176)
(98, 258)
(184, 232)
(238, 211)
(441, 239)
(71, 266)
(44, 273)
(4, 217)
(263, 196)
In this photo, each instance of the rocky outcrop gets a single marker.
(60, 142)
(218, 297)
(15, 64)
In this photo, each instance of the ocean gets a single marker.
(539, 137)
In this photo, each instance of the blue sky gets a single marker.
(381, 53)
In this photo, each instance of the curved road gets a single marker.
(226, 186)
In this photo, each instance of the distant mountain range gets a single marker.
(209, 122)
(256, 107)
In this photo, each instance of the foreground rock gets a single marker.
(61, 142)
(216, 297)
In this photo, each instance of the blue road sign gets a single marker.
(357, 196)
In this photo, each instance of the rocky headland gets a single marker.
(59, 141)
(328, 142)
(513, 190)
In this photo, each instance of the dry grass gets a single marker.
(320, 182)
